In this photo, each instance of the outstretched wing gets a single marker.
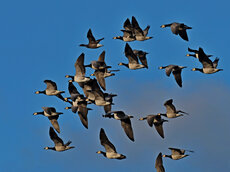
(127, 126)
(50, 85)
(109, 147)
(57, 140)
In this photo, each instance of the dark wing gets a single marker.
(183, 34)
(57, 140)
(107, 108)
(169, 69)
(137, 29)
(126, 125)
(177, 75)
(127, 33)
(102, 57)
(83, 112)
(143, 59)
(169, 106)
(72, 89)
(109, 147)
(159, 129)
(54, 122)
(146, 31)
(215, 62)
(150, 119)
(100, 78)
(127, 25)
(79, 65)
(159, 163)
(61, 97)
(130, 55)
(176, 151)
(50, 85)
(191, 50)
(206, 62)
(90, 37)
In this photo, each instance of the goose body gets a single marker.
(52, 115)
(171, 111)
(133, 60)
(176, 70)
(59, 144)
(177, 154)
(111, 152)
(157, 121)
(93, 43)
(125, 122)
(178, 28)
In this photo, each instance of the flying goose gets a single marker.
(177, 153)
(133, 60)
(59, 144)
(100, 63)
(178, 28)
(157, 121)
(52, 115)
(79, 104)
(176, 70)
(209, 67)
(80, 70)
(125, 122)
(51, 90)
(142, 57)
(171, 111)
(159, 163)
(196, 53)
(140, 34)
(110, 149)
(93, 43)
(128, 34)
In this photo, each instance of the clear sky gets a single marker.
(39, 40)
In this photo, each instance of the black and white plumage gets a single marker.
(157, 121)
(80, 70)
(178, 28)
(209, 67)
(171, 111)
(176, 70)
(125, 121)
(133, 60)
(110, 149)
(52, 115)
(51, 90)
(177, 154)
(58, 142)
(93, 43)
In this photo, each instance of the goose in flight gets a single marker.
(110, 149)
(93, 43)
(177, 153)
(209, 67)
(133, 60)
(58, 142)
(157, 121)
(176, 70)
(171, 111)
(51, 90)
(125, 122)
(52, 115)
(80, 70)
(178, 28)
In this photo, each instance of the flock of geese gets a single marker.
(94, 90)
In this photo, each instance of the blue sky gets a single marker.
(39, 40)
